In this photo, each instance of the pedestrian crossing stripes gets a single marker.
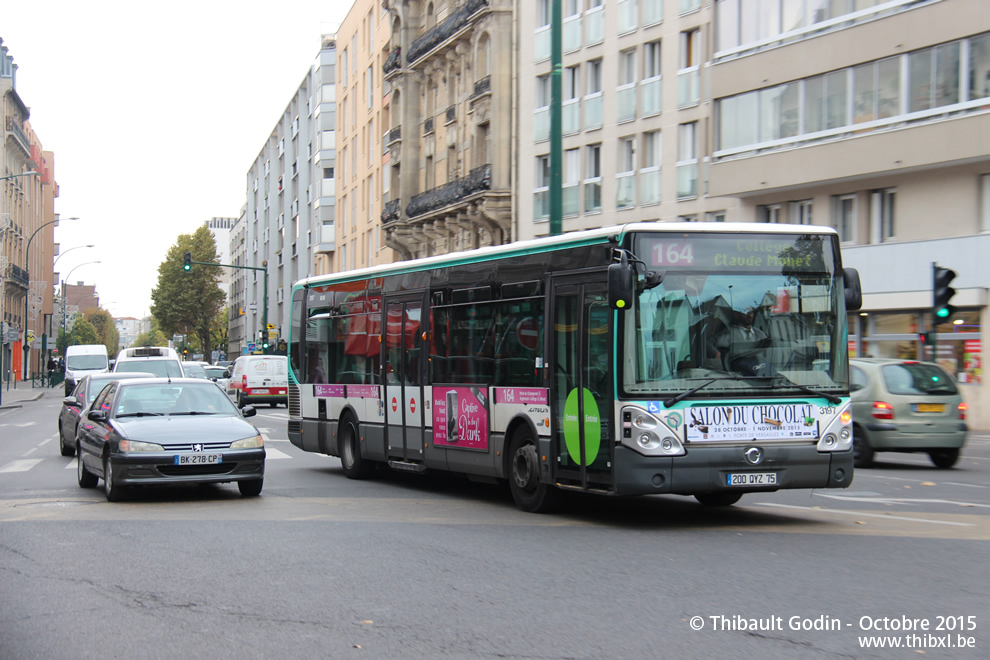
(21, 466)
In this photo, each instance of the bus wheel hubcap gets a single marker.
(524, 467)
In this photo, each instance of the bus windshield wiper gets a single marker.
(831, 398)
(683, 395)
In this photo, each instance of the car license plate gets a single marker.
(259, 391)
(198, 459)
(929, 407)
(752, 479)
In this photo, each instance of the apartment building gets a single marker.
(281, 236)
(634, 115)
(27, 235)
(450, 72)
(874, 118)
(362, 119)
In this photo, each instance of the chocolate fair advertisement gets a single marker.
(460, 417)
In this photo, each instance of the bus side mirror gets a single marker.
(620, 284)
(854, 291)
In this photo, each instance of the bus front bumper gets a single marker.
(707, 469)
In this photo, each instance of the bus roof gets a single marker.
(571, 239)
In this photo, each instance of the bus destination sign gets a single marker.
(722, 252)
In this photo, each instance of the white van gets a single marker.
(84, 359)
(159, 360)
(260, 379)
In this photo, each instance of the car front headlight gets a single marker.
(253, 442)
(132, 446)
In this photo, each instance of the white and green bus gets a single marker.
(708, 360)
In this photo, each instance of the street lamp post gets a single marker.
(54, 263)
(4, 229)
(27, 294)
(64, 296)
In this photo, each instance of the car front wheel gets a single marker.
(250, 487)
(64, 449)
(85, 478)
(114, 492)
(862, 452)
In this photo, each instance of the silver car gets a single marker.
(905, 406)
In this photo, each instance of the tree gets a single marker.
(153, 337)
(188, 302)
(106, 329)
(83, 332)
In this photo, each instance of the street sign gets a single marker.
(272, 335)
(271, 327)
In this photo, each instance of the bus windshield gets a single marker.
(749, 312)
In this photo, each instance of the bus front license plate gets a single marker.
(752, 479)
(198, 459)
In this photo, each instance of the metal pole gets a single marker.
(556, 138)
(27, 294)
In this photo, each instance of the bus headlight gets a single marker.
(837, 435)
(647, 435)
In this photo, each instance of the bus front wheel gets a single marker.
(718, 499)
(524, 476)
(355, 467)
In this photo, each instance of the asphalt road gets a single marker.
(408, 566)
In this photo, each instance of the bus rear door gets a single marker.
(404, 370)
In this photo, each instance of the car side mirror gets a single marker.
(72, 402)
(97, 415)
(248, 411)
(226, 374)
(620, 284)
(854, 290)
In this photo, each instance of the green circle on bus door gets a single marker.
(592, 427)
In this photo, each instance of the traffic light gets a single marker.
(264, 345)
(925, 338)
(941, 292)
(187, 261)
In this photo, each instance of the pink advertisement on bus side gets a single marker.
(460, 417)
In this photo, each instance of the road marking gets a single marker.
(71, 465)
(271, 452)
(900, 500)
(31, 451)
(21, 466)
(862, 514)
(861, 475)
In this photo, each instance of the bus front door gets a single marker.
(404, 369)
(581, 383)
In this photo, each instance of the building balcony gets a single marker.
(17, 136)
(445, 30)
(482, 86)
(394, 61)
(391, 211)
(478, 180)
(18, 277)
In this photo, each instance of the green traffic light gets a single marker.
(942, 312)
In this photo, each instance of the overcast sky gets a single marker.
(154, 112)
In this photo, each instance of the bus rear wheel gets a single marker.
(524, 476)
(355, 467)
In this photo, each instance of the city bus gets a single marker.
(707, 360)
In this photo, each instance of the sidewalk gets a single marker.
(14, 398)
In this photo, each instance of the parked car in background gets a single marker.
(165, 431)
(905, 406)
(219, 375)
(260, 379)
(159, 360)
(194, 370)
(83, 359)
(76, 405)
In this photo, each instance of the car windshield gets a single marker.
(917, 378)
(767, 310)
(80, 362)
(161, 368)
(215, 372)
(173, 399)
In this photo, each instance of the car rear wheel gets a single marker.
(113, 492)
(529, 493)
(64, 449)
(944, 458)
(862, 452)
(250, 487)
(355, 466)
(718, 499)
(85, 478)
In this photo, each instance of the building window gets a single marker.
(593, 98)
(689, 74)
(883, 214)
(541, 192)
(626, 92)
(594, 22)
(541, 46)
(801, 212)
(593, 179)
(625, 178)
(844, 217)
(687, 160)
(541, 115)
(768, 213)
(715, 216)
(649, 173)
(652, 80)
(571, 180)
(571, 105)
(572, 26)
(628, 19)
